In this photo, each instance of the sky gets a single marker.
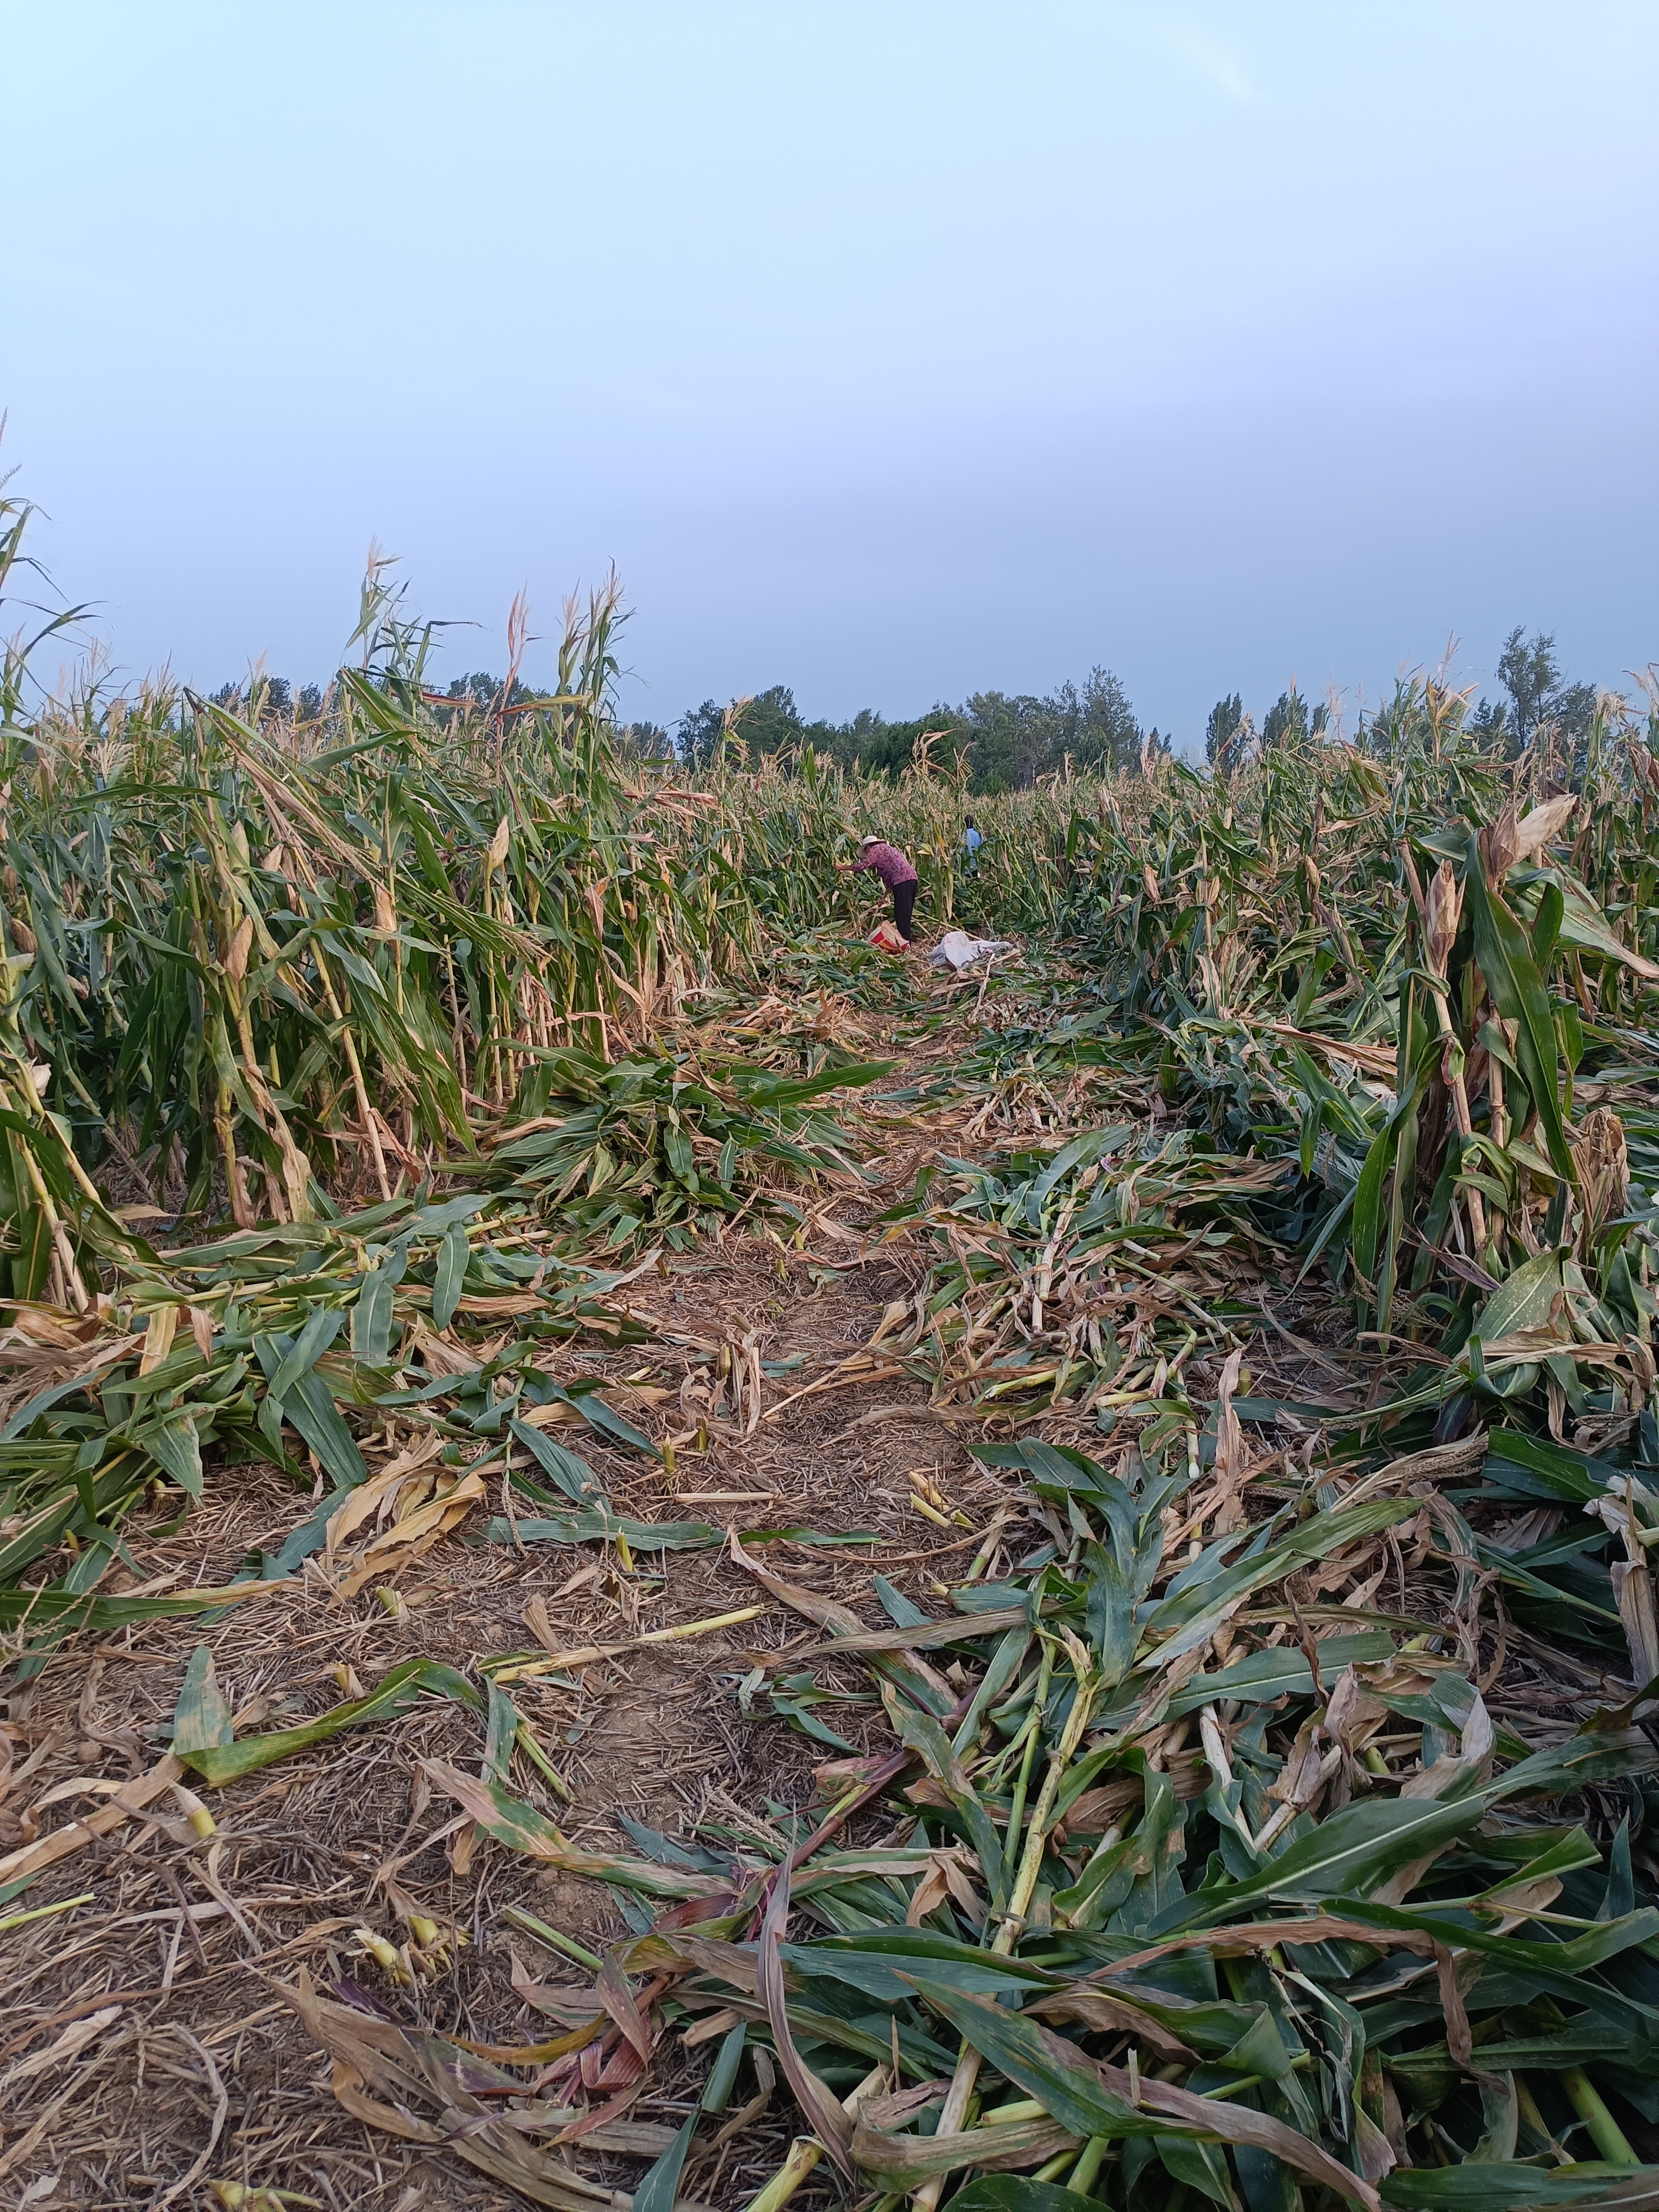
(892, 352)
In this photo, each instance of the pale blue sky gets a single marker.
(891, 351)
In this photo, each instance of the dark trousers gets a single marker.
(904, 903)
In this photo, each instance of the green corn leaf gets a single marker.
(1082, 1151)
(371, 1317)
(568, 1469)
(1578, 923)
(768, 1091)
(38, 1532)
(677, 1147)
(1263, 1677)
(920, 1732)
(801, 1717)
(1348, 1853)
(1527, 1299)
(1061, 2078)
(454, 1254)
(502, 1735)
(1189, 1617)
(1200, 2167)
(1088, 2098)
(599, 1415)
(1505, 960)
(323, 1324)
(312, 1410)
(175, 1446)
(1544, 1468)
(1017, 2192)
(394, 1695)
(655, 2191)
(1368, 1198)
(201, 1719)
(59, 1608)
(1576, 1955)
(1509, 2188)
(879, 1962)
(596, 1527)
(717, 2090)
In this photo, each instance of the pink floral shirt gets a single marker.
(889, 863)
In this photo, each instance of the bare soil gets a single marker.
(147, 2049)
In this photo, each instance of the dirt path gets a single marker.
(146, 2049)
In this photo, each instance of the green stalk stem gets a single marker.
(1465, 1129)
(1031, 1730)
(803, 2154)
(1091, 2159)
(1605, 2131)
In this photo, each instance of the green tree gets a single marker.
(1226, 718)
(1290, 723)
(1287, 721)
(1489, 725)
(648, 741)
(770, 722)
(479, 688)
(870, 742)
(1572, 709)
(1009, 741)
(1108, 735)
(1015, 740)
(697, 734)
(1529, 671)
(483, 691)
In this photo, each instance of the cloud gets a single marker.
(1215, 62)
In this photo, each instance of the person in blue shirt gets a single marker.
(972, 839)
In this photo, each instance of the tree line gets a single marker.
(1537, 695)
(1004, 740)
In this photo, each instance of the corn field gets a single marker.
(350, 1068)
